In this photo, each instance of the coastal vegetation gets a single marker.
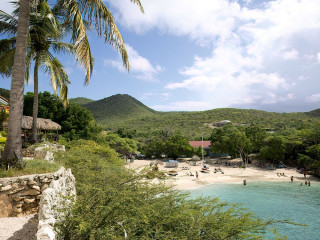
(134, 119)
(113, 203)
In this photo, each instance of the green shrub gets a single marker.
(113, 201)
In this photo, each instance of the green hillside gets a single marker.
(117, 108)
(314, 113)
(124, 111)
(5, 93)
(81, 100)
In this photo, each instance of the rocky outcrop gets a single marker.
(21, 195)
(46, 151)
(58, 197)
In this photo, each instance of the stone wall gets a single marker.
(54, 200)
(21, 195)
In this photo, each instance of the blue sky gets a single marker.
(188, 55)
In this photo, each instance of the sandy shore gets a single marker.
(230, 174)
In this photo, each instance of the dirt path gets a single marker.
(18, 228)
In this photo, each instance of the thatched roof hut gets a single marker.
(42, 124)
(195, 158)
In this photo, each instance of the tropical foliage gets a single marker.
(76, 121)
(113, 203)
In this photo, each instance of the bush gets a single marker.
(113, 201)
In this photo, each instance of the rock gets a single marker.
(54, 199)
(16, 190)
(44, 187)
(31, 192)
(36, 187)
(19, 205)
(17, 198)
(29, 200)
(17, 210)
(6, 188)
(31, 182)
(38, 197)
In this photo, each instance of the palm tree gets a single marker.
(75, 12)
(43, 35)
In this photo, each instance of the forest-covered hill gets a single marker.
(81, 100)
(124, 111)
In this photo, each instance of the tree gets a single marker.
(43, 35)
(178, 145)
(13, 149)
(123, 146)
(154, 148)
(76, 121)
(274, 149)
(98, 16)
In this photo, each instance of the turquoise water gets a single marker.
(275, 200)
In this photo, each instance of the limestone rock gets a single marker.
(29, 200)
(54, 199)
(36, 187)
(31, 192)
(6, 188)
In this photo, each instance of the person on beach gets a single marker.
(305, 182)
(304, 174)
(197, 174)
(291, 178)
(245, 182)
(309, 183)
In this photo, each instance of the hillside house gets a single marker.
(4, 104)
(221, 123)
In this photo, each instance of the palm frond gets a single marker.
(6, 62)
(58, 77)
(61, 47)
(8, 24)
(80, 39)
(7, 44)
(98, 14)
(139, 4)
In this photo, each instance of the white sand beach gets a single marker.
(231, 174)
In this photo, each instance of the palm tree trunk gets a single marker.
(35, 101)
(13, 148)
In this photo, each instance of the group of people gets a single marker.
(305, 182)
(281, 175)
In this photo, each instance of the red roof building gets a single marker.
(196, 144)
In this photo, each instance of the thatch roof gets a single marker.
(195, 158)
(42, 124)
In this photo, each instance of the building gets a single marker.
(206, 146)
(4, 104)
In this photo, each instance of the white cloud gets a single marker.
(251, 46)
(290, 55)
(313, 98)
(159, 96)
(318, 57)
(183, 106)
(140, 67)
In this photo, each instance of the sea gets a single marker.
(277, 201)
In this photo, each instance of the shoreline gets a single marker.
(230, 175)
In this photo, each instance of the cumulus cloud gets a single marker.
(159, 96)
(140, 67)
(183, 106)
(259, 51)
(313, 98)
